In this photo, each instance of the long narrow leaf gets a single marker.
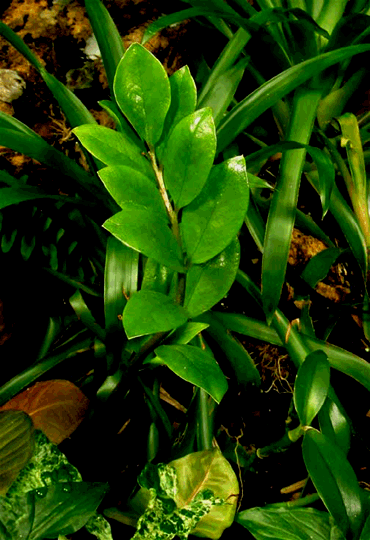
(73, 348)
(34, 146)
(283, 205)
(250, 108)
(108, 38)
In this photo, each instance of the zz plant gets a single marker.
(176, 208)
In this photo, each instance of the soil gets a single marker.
(58, 33)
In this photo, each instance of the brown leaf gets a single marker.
(56, 407)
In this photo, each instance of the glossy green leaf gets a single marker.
(335, 425)
(183, 98)
(184, 334)
(289, 524)
(121, 124)
(195, 366)
(127, 185)
(214, 218)
(143, 230)
(113, 148)
(142, 91)
(16, 446)
(148, 312)
(318, 267)
(120, 281)
(261, 99)
(311, 386)
(188, 156)
(334, 480)
(208, 283)
(109, 40)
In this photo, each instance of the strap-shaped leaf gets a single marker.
(108, 38)
(208, 283)
(142, 91)
(334, 480)
(145, 231)
(335, 425)
(261, 99)
(311, 386)
(281, 216)
(195, 366)
(189, 155)
(214, 218)
(120, 281)
(236, 355)
(148, 312)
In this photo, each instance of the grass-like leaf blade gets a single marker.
(334, 480)
(108, 38)
(311, 386)
(261, 99)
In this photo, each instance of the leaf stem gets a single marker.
(163, 192)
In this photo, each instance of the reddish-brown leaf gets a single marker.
(56, 407)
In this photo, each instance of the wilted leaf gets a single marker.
(56, 407)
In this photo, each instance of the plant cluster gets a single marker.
(171, 204)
